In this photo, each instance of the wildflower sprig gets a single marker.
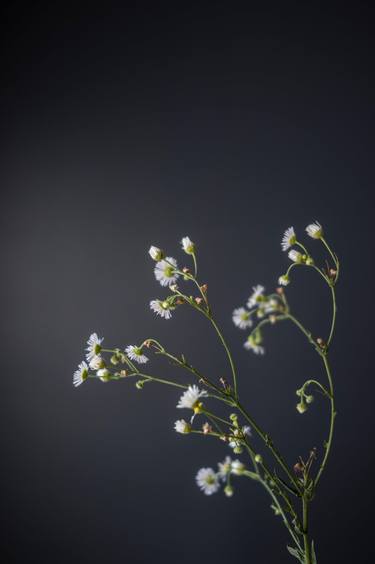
(211, 405)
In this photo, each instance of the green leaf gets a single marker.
(296, 553)
(313, 555)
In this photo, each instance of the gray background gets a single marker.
(124, 127)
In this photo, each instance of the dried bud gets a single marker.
(207, 428)
(280, 290)
(198, 300)
(298, 468)
(272, 319)
(123, 373)
(321, 343)
(185, 270)
(332, 272)
(147, 343)
(204, 288)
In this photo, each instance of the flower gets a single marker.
(315, 230)
(256, 296)
(271, 306)
(207, 480)
(104, 374)
(241, 318)
(284, 280)
(189, 399)
(295, 256)
(96, 362)
(165, 271)
(225, 467)
(289, 239)
(237, 467)
(155, 253)
(94, 346)
(161, 308)
(181, 426)
(81, 374)
(188, 245)
(246, 430)
(251, 344)
(135, 353)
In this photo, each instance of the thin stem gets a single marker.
(195, 265)
(332, 420)
(234, 376)
(334, 311)
(159, 380)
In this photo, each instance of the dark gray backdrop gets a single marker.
(124, 127)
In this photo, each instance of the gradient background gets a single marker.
(126, 127)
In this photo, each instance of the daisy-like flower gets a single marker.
(81, 374)
(93, 346)
(256, 297)
(161, 308)
(96, 362)
(155, 253)
(253, 345)
(289, 239)
(237, 467)
(207, 480)
(284, 280)
(104, 374)
(295, 256)
(181, 426)
(241, 318)
(165, 271)
(188, 245)
(225, 467)
(315, 230)
(190, 398)
(135, 353)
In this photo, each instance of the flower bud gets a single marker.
(258, 459)
(104, 374)
(309, 261)
(114, 359)
(228, 490)
(284, 280)
(156, 253)
(237, 450)
(309, 399)
(301, 407)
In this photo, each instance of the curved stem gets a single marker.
(306, 542)
(234, 376)
(332, 420)
(334, 311)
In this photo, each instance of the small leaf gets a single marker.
(296, 553)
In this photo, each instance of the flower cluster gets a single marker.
(210, 481)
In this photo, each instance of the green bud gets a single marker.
(228, 490)
(258, 459)
(114, 359)
(309, 261)
(237, 450)
(309, 399)
(301, 407)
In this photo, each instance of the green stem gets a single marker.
(332, 420)
(305, 522)
(334, 311)
(234, 376)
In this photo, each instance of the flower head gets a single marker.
(207, 480)
(155, 253)
(93, 346)
(237, 467)
(188, 245)
(241, 318)
(289, 239)
(190, 398)
(315, 230)
(284, 280)
(252, 343)
(225, 467)
(181, 426)
(135, 353)
(162, 308)
(165, 271)
(96, 362)
(295, 256)
(104, 374)
(81, 374)
(256, 297)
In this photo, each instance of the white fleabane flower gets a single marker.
(315, 230)
(295, 256)
(252, 344)
(155, 253)
(81, 374)
(237, 467)
(161, 308)
(284, 280)
(246, 430)
(190, 398)
(96, 362)
(103, 374)
(165, 271)
(135, 353)
(207, 480)
(241, 318)
(181, 426)
(225, 467)
(289, 239)
(188, 245)
(93, 346)
(256, 296)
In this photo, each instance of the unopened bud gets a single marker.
(301, 407)
(258, 459)
(228, 490)
(198, 300)
(309, 399)
(204, 288)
